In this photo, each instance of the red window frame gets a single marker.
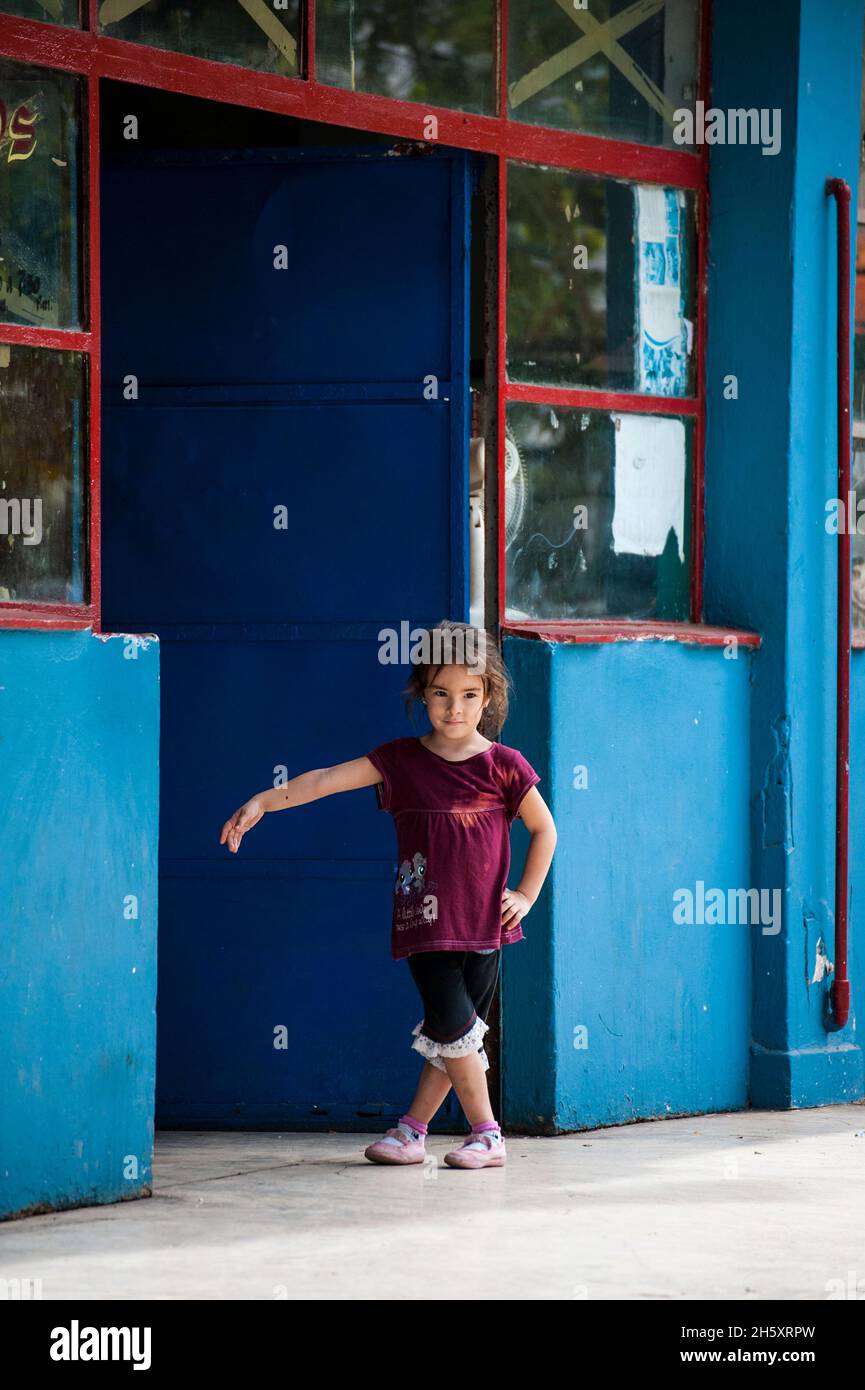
(92, 56)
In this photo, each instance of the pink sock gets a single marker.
(484, 1125)
(413, 1123)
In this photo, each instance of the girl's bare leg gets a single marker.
(470, 1083)
(431, 1092)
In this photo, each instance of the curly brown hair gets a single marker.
(479, 653)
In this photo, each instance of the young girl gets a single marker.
(453, 794)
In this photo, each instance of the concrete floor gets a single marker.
(753, 1204)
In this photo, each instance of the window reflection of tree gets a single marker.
(441, 52)
(247, 32)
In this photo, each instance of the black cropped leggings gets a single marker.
(457, 989)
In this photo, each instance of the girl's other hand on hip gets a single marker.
(515, 905)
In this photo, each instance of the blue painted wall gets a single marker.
(700, 767)
(612, 1011)
(770, 565)
(79, 719)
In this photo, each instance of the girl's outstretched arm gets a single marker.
(309, 786)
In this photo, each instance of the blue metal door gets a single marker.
(285, 455)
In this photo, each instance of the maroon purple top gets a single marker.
(453, 822)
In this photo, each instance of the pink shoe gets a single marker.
(396, 1147)
(478, 1151)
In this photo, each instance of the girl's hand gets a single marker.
(249, 814)
(515, 905)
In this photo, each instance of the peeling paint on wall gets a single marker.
(807, 918)
(822, 964)
(777, 793)
(816, 921)
(142, 640)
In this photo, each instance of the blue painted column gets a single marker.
(770, 468)
(612, 1009)
(79, 719)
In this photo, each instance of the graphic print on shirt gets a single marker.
(414, 903)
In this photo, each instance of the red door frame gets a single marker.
(92, 56)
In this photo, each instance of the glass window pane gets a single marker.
(40, 235)
(42, 475)
(49, 11)
(441, 52)
(251, 33)
(597, 514)
(611, 68)
(601, 282)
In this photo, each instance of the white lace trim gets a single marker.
(469, 1042)
(440, 1066)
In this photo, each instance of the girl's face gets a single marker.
(455, 701)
